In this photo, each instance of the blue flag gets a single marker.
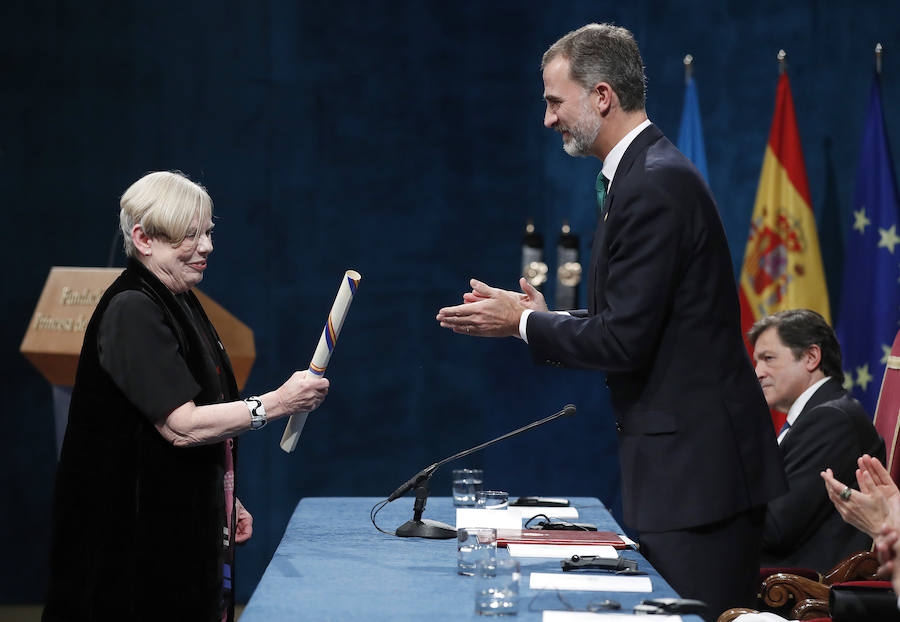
(870, 296)
(690, 134)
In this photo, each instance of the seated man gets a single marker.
(875, 510)
(798, 363)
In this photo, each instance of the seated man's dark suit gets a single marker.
(697, 448)
(802, 527)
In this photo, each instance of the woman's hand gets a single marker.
(886, 544)
(190, 425)
(875, 504)
(244, 528)
(302, 393)
(866, 508)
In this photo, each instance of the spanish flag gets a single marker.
(782, 266)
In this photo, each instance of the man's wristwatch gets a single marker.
(258, 417)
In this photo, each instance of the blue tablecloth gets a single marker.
(332, 564)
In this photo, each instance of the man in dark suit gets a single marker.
(798, 363)
(697, 452)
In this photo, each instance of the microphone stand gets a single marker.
(419, 528)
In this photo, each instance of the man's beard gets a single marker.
(583, 134)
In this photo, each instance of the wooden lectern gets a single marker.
(55, 333)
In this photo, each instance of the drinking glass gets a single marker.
(497, 587)
(492, 500)
(466, 482)
(474, 545)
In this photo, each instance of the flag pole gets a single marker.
(688, 68)
(782, 55)
(878, 50)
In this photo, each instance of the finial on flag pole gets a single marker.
(878, 50)
(688, 67)
(781, 56)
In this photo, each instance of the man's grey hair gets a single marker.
(604, 53)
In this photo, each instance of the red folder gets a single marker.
(558, 536)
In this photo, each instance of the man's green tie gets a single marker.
(602, 185)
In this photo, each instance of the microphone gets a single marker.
(441, 531)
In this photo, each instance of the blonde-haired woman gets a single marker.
(145, 519)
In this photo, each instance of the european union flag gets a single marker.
(690, 134)
(870, 297)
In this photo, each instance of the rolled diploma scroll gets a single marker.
(323, 351)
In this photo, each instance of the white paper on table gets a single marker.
(630, 543)
(590, 616)
(527, 512)
(561, 551)
(589, 582)
(498, 519)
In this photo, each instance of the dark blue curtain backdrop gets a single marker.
(402, 139)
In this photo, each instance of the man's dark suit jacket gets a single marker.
(695, 436)
(802, 527)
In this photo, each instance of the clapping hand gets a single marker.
(870, 507)
(491, 312)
